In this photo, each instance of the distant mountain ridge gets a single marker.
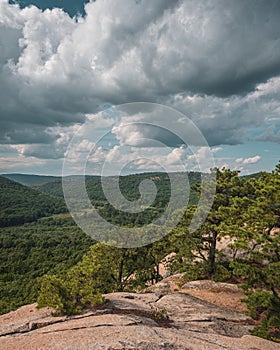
(33, 180)
(129, 187)
(28, 197)
(30, 179)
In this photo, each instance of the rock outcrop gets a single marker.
(166, 316)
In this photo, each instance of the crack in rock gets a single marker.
(93, 326)
(32, 326)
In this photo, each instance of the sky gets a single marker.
(197, 67)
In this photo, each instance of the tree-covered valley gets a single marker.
(20, 204)
(47, 258)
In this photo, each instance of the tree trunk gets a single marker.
(212, 254)
(120, 275)
(157, 273)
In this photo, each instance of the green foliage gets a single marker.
(129, 187)
(262, 305)
(103, 269)
(66, 295)
(258, 301)
(50, 245)
(201, 245)
(199, 271)
(20, 204)
(54, 294)
(246, 210)
(222, 272)
(195, 271)
(160, 313)
(259, 262)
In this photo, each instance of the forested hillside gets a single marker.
(245, 213)
(20, 204)
(31, 250)
(52, 261)
(129, 187)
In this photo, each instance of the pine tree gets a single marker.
(253, 224)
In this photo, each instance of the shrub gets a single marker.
(67, 297)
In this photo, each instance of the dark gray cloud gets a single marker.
(12, 134)
(54, 69)
(220, 48)
(43, 151)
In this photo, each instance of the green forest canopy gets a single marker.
(54, 254)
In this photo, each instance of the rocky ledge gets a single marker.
(170, 315)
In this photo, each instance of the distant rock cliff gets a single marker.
(165, 316)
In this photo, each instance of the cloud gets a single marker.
(146, 135)
(269, 135)
(11, 134)
(10, 163)
(40, 151)
(176, 156)
(227, 120)
(203, 58)
(51, 143)
(250, 160)
(216, 149)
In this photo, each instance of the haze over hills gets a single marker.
(43, 182)
(30, 179)
(37, 180)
